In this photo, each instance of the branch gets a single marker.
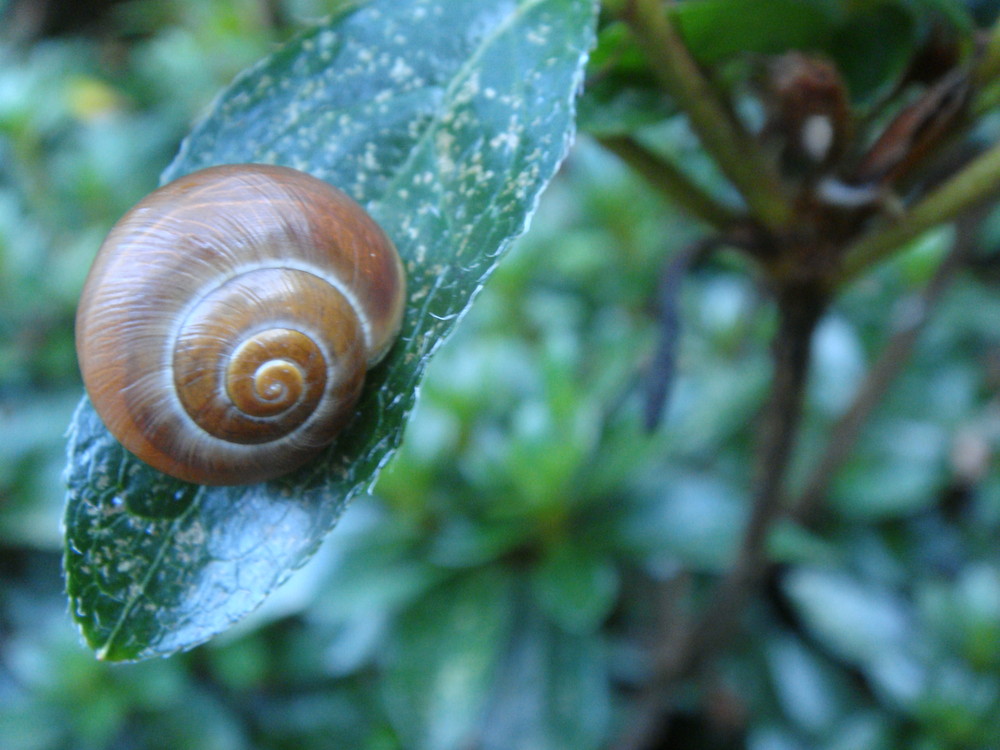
(847, 429)
(973, 184)
(800, 309)
(671, 181)
(734, 151)
(989, 64)
(985, 74)
(660, 375)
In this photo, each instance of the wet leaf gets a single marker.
(446, 119)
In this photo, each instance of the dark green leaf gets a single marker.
(954, 12)
(791, 543)
(372, 571)
(614, 107)
(621, 94)
(715, 29)
(865, 624)
(446, 118)
(897, 473)
(873, 48)
(552, 691)
(576, 587)
(806, 687)
(447, 651)
(691, 518)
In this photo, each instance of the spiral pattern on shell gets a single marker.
(226, 326)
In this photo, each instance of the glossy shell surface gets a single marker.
(226, 325)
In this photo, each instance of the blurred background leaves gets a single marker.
(502, 587)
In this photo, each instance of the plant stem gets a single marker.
(734, 151)
(989, 65)
(976, 182)
(891, 362)
(800, 309)
(662, 367)
(671, 181)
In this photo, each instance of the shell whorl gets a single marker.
(226, 326)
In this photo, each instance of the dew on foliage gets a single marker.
(449, 141)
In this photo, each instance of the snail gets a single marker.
(226, 326)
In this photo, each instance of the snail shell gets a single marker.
(226, 325)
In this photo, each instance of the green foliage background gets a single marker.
(498, 588)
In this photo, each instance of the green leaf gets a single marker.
(576, 587)
(445, 657)
(873, 48)
(446, 119)
(552, 692)
(866, 624)
(956, 13)
(897, 473)
(621, 95)
(806, 688)
(692, 518)
(715, 29)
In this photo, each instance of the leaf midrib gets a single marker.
(104, 651)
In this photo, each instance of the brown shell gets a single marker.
(227, 323)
